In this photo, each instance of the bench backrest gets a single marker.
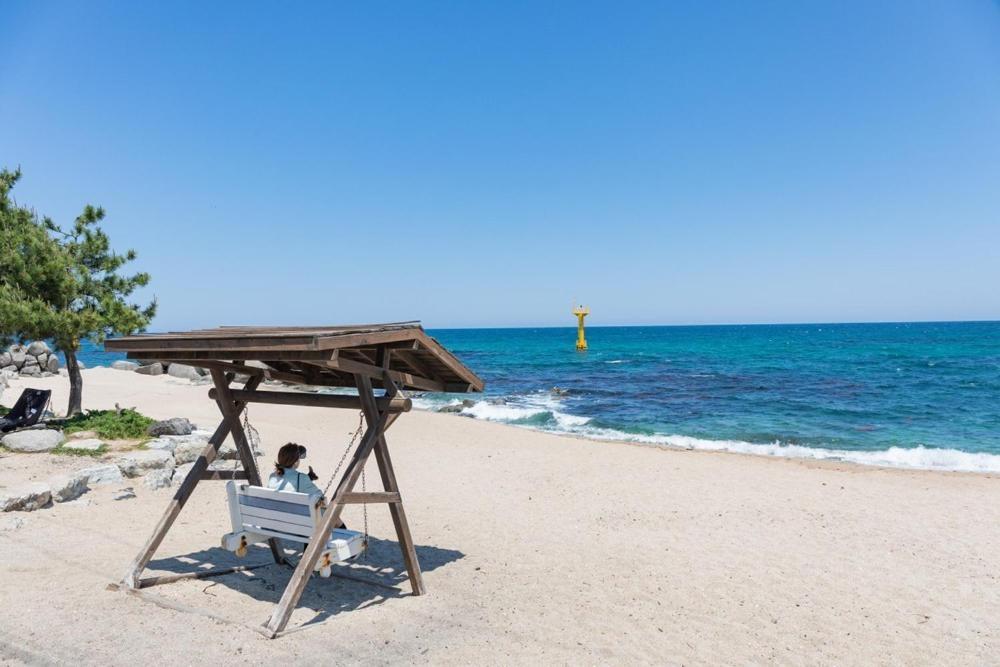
(284, 514)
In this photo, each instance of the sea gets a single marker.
(912, 395)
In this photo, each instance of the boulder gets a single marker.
(172, 426)
(42, 359)
(452, 408)
(135, 463)
(68, 487)
(188, 451)
(155, 368)
(11, 369)
(181, 473)
(123, 494)
(103, 474)
(33, 440)
(158, 479)
(17, 357)
(38, 347)
(83, 444)
(122, 365)
(183, 371)
(52, 365)
(5, 359)
(31, 370)
(25, 498)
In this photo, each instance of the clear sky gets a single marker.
(485, 164)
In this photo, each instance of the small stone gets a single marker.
(158, 479)
(123, 494)
(26, 497)
(63, 372)
(83, 445)
(83, 435)
(33, 440)
(184, 372)
(10, 369)
(155, 368)
(103, 474)
(452, 408)
(38, 347)
(122, 365)
(65, 487)
(134, 463)
(173, 426)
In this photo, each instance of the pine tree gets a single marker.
(61, 285)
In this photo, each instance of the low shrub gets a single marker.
(110, 424)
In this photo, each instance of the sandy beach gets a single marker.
(535, 548)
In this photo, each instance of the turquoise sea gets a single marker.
(923, 395)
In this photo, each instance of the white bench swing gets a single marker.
(259, 513)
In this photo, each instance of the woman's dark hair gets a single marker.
(288, 455)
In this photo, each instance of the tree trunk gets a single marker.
(75, 384)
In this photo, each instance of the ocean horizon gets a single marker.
(903, 394)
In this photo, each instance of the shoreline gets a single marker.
(533, 548)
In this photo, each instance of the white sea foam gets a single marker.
(541, 413)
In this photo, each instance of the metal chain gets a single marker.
(354, 437)
(253, 438)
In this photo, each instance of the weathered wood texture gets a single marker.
(328, 356)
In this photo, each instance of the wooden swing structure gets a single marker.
(394, 357)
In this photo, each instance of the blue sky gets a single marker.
(485, 164)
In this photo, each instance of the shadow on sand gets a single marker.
(367, 580)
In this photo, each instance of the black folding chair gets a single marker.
(28, 410)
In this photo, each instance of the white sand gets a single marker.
(535, 548)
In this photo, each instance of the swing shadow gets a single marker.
(354, 585)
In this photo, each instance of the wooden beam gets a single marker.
(389, 483)
(373, 372)
(139, 563)
(315, 400)
(357, 498)
(147, 582)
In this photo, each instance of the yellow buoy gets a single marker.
(580, 312)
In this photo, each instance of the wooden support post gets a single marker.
(389, 483)
(321, 534)
(134, 572)
(231, 409)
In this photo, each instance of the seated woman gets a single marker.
(286, 475)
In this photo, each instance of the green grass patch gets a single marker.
(3, 410)
(110, 424)
(93, 453)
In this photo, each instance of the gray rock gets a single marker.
(186, 452)
(158, 479)
(5, 359)
(172, 426)
(103, 474)
(52, 365)
(66, 487)
(17, 357)
(183, 371)
(163, 444)
(9, 370)
(83, 435)
(42, 359)
(38, 347)
(123, 494)
(181, 473)
(452, 408)
(33, 440)
(25, 498)
(122, 365)
(31, 370)
(135, 463)
(81, 364)
(84, 444)
(63, 372)
(155, 368)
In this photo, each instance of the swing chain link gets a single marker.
(354, 437)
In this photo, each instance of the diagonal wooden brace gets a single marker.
(139, 563)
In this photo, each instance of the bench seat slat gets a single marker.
(257, 514)
(284, 496)
(274, 504)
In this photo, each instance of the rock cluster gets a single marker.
(182, 371)
(162, 462)
(33, 360)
